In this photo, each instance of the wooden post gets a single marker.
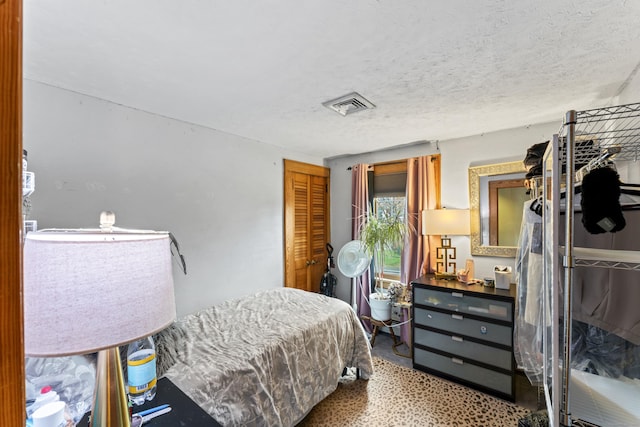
(12, 384)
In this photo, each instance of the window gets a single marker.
(388, 192)
(394, 207)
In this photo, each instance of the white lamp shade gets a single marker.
(445, 222)
(85, 292)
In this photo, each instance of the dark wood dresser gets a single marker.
(464, 333)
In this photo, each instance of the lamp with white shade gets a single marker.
(446, 222)
(91, 291)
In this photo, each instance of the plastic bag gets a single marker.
(603, 353)
(72, 377)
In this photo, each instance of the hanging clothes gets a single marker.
(603, 297)
(529, 308)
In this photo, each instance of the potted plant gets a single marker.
(380, 233)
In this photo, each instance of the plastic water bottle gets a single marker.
(141, 370)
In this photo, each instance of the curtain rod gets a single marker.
(368, 167)
(433, 159)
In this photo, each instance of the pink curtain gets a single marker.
(359, 212)
(423, 192)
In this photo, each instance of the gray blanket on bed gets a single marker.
(267, 359)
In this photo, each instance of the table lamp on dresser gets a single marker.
(446, 222)
(91, 291)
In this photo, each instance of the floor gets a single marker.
(396, 396)
(526, 394)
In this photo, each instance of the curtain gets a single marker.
(423, 192)
(359, 212)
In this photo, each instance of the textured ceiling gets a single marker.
(262, 69)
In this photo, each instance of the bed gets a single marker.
(265, 359)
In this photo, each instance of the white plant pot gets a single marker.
(380, 307)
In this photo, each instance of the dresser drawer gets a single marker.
(465, 371)
(458, 346)
(458, 324)
(458, 301)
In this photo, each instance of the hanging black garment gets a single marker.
(329, 281)
(601, 211)
(533, 159)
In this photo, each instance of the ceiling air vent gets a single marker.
(349, 104)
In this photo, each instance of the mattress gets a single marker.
(267, 359)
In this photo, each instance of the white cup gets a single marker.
(49, 415)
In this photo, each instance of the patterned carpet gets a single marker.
(398, 396)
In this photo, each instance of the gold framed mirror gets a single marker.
(496, 197)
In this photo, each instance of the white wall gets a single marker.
(631, 92)
(221, 195)
(457, 156)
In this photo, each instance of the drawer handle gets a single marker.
(457, 317)
(457, 294)
(458, 339)
(457, 361)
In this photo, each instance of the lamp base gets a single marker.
(445, 276)
(447, 254)
(110, 407)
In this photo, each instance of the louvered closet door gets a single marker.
(306, 224)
